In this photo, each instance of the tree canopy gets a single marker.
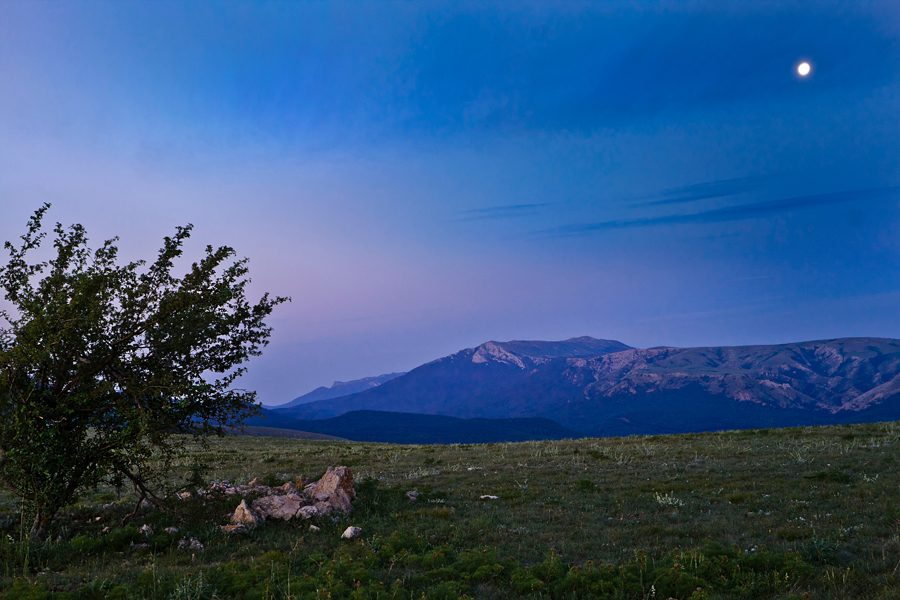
(108, 371)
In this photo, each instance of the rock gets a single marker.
(336, 478)
(302, 482)
(313, 528)
(289, 488)
(308, 512)
(184, 495)
(254, 482)
(190, 544)
(146, 530)
(489, 497)
(412, 495)
(323, 508)
(351, 532)
(171, 530)
(308, 489)
(244, 515)
(233, 529)
(339, 501)
(278, 507)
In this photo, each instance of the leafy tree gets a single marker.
(108, 372)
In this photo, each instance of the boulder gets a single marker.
(308, 512)
(336, 478)
(340, 501)
(351, 532)
(323, 508)
(244, 515)
(289, 488)
(278, 507)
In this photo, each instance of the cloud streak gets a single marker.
(709, 190)
(732, 213)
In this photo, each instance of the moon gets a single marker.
(803, 69)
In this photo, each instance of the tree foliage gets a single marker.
(108, 371)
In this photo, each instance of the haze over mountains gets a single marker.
(340, 388)
(604, 387)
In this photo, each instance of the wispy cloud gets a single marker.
(500, 212)
(708, 190)
(732, 213)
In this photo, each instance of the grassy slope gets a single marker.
(828, 493)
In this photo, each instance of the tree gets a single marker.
(108, 372)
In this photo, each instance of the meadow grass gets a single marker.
(788, 513)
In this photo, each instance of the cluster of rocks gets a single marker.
(305, 498)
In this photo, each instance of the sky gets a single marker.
(422, 177)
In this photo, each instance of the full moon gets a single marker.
(803, 69)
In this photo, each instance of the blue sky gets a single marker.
(425, 176)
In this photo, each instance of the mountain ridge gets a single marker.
(730, 387)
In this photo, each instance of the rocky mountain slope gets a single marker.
(600, 387)
(445, 386)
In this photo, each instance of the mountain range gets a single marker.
(604, 387)
(340, 388)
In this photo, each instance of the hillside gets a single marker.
(408, 428)
(647, 391)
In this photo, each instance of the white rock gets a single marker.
(313, 528)
(489, 497)
(351, 532)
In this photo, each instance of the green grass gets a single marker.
(791, 513)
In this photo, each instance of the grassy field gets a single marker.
(792, 513)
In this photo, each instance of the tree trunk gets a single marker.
(41, 524)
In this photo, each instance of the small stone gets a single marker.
(244, 515)
(489, 497)
(313, 528)
(184, 495)
(146, 530)
(190, 543)
(233, 529)
(254, 482)
(412, 495)
(351, 532)
(289, 488)
(171, 530)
